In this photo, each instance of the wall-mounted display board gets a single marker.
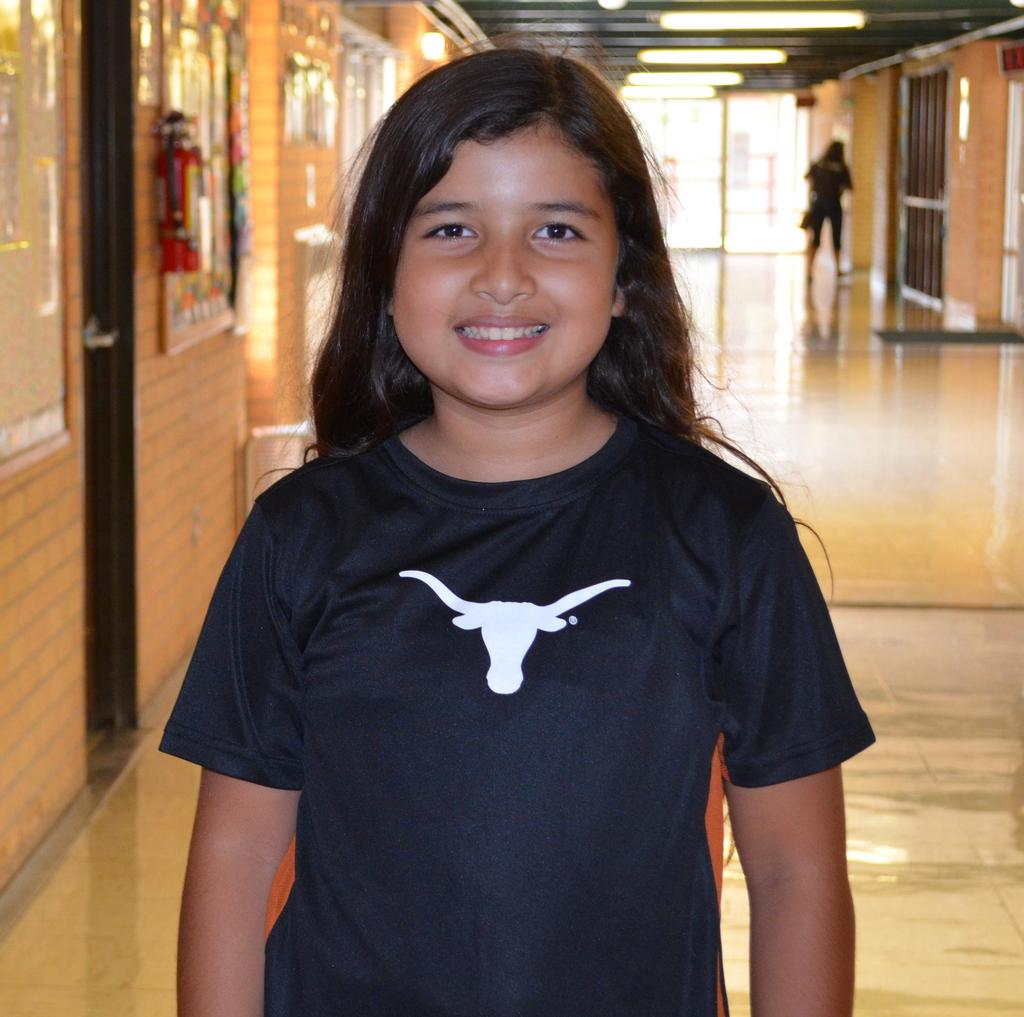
(205, 78)
(310, 101)
(312, 20)
(311, 31)
(147, 62)
(32, 381)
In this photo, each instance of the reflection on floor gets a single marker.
(935, 816)
(907, 459)
(914, 461)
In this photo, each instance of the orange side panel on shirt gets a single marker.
(280, 888)
(714, 823)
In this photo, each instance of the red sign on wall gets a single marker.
(1011, 59)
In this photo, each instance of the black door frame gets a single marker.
(108, 263)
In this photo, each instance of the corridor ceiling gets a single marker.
(583, 28)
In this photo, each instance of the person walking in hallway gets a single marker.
(829, 177)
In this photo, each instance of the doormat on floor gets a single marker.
(895, 336)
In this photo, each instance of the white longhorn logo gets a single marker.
(509, 628)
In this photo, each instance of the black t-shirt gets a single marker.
(829, 179)
(501, 703)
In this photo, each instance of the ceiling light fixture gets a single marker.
(768, 21)
(667, 92)
(720, 57)
(612, 5)
(716, 78)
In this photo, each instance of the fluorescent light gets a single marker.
(684, 78)
(713, 56)
(612, 5)
(669, 91)
(736, 21)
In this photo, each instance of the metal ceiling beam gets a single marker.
(1010, 27)
(615, 37)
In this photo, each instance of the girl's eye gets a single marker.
(450, 231)
(558, 231)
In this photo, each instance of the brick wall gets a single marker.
(405, 27)
(265, 127)
(373, 19)
(977, 181)
(42, 680)
(831, 115)
(874, 164)
(866, 149)
(884, 179)
(281, 174)
(191, 426)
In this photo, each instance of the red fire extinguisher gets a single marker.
(179, 168)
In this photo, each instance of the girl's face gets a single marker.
(505, 285)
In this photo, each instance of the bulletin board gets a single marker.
(205, 77)
(32, 382)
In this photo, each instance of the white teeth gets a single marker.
(500, 333)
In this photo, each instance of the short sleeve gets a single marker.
(239, 708)
(790, 707)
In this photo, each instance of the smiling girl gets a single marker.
(488, 660)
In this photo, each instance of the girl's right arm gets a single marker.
(241, 833)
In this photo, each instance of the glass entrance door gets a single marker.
(765, 192)
(686, 136)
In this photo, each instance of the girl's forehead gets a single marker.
(534, 162)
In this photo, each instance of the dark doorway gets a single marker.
(108, 260)
(923, 208)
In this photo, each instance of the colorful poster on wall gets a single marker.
(241, 204)
(32, 382)
(44, 54)
(11, 148)
(48, 236)
(203, 40)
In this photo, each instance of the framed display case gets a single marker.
(205, 79)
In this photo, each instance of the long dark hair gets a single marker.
(364, 386)
(836, 152)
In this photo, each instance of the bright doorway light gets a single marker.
(432, 46)
(715, 78)
(735, 21)
(667, 92)
(716, 56)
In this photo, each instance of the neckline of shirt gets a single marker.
(515, 494)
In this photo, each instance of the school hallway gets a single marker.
(909, 461)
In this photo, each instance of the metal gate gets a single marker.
(925, 101)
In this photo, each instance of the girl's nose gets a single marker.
(503, 273)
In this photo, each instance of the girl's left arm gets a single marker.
(791, 839)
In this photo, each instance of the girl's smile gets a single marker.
(505, 286)
(500, 337)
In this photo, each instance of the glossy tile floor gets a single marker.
(909, 463)
(908, 459)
